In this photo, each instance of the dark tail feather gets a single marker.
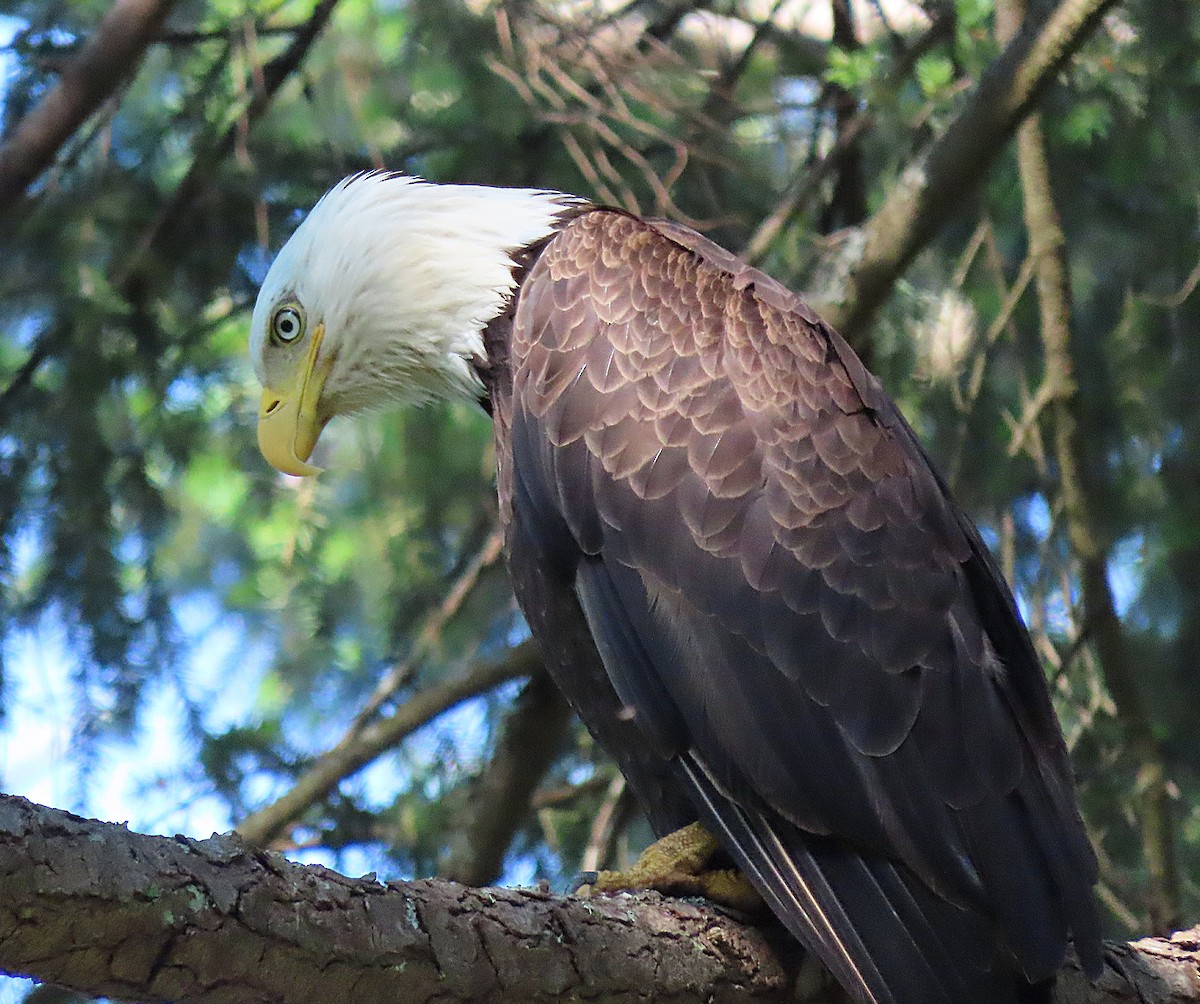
(882, 933)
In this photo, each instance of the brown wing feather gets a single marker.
(779, 585)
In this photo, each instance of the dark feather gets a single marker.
(803, 637)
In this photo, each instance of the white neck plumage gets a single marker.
(407, 275)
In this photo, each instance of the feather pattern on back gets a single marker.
(807, 633)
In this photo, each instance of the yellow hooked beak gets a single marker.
(288, 423)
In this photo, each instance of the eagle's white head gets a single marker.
(381, 296)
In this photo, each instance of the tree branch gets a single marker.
(93, 906)
(111, 54)
(124, 272)
(534, 734)
(1082, 500)
(848, 203)
(360, 746)
(427, 637)
(199, 174)
(612, 817)
(98, 908)
(931, 189)
(850, 133)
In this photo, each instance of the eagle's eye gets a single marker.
(287, 325)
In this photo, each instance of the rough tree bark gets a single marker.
(93, 906)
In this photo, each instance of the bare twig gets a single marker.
(431, 629)
(200, 172)
(565, 794)
(598, 83)
(796, 198)
(43, 348)
(808, 182)
(1177, 299)
(967, 399)
(600, 837)
(222, 34)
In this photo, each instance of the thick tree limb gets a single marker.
(930, 190)
(360, 746)
(109, 56)
(93, 906)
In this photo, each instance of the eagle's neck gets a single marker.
(435, 265)
(467, 248)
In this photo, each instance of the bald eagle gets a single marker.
(742, 569)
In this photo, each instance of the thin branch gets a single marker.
(359, 747)
(598, 851)
(981, 356)
(1177, 299)
(43, 348)
(192, 186)
(199, 174)
(222, 34)
(431, 630)
(931, 189)
(725, 83)
(1031, 414)
(109, 56)
(534, 735)
(591, 93)
(808, 182)
(796, 198)
(565, 794)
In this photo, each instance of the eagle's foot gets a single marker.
(674, 866)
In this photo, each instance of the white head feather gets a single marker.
(404, 275)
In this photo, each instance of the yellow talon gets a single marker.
(674, 866)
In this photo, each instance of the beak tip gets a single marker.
(277, 444)
(289, 419)
(299, 469)
(287, 435)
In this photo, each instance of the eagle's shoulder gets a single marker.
(661, 321)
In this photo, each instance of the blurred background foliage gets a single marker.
(200, 630)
